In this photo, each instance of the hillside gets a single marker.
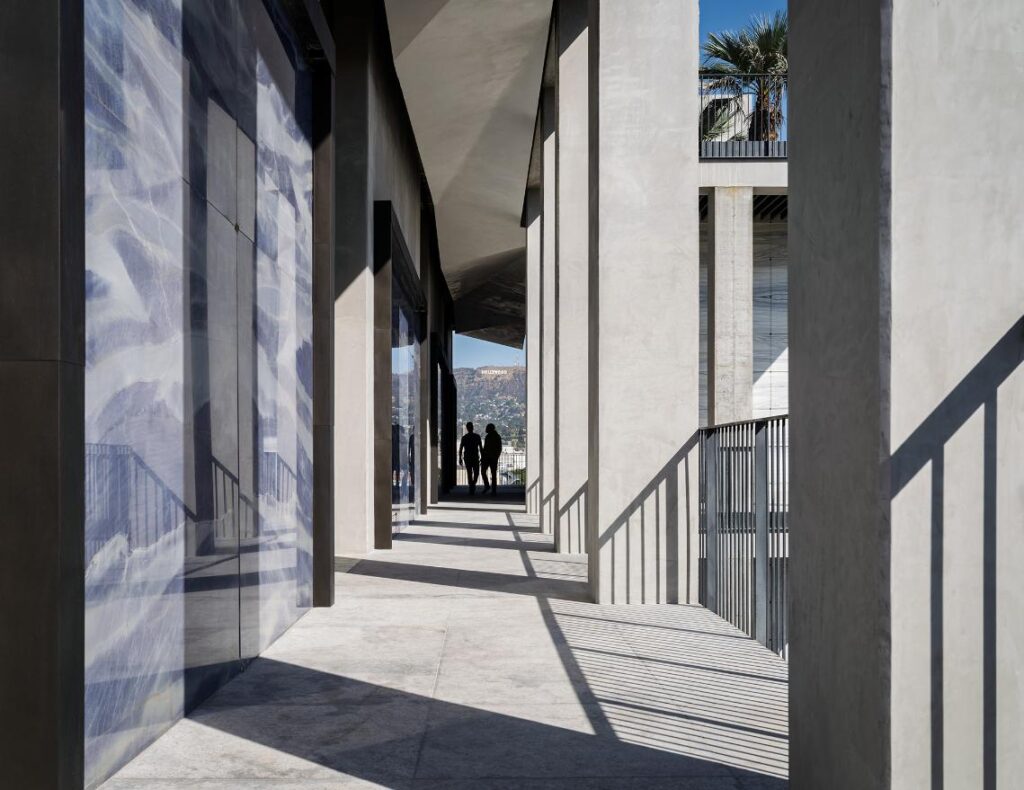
(494, 394)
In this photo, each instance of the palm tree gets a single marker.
(754, 60)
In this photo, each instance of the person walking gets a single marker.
(491, 453)
(469, 456)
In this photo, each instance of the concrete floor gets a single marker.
(467, 657)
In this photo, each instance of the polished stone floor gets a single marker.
(467, 657)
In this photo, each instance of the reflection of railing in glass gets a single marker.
(744, 526)
(743, 116)
(125, 496)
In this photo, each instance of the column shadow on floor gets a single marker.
(394, 738)
(479, 581)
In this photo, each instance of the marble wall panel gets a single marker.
(198, 377)
(135, 511)
(283, 551)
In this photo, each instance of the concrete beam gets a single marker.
(766, 178)
(572, 95)
(644, 278)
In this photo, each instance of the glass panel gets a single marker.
(405, 388)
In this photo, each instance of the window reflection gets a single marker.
(404, 406)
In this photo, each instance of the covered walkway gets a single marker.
(468, 657)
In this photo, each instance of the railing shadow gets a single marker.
(571, 536)
(325, 720)
(663, 517)
(925, 447)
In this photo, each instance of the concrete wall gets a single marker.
(572, 215)
(643, 299)
(907, 396)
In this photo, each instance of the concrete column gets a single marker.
(323, 339)
(644, 279)
(449, 429)
(534, 342)
(549, 313)
(730, 305)
(42, 377)
(425, 427)
(573, 213)
(906, 395)
(354, 285)
(434, 449)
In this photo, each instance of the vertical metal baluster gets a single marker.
(727, 521)
(773, 479)
(732, 526)
(785, 509)
(780, 539)
(748, 524)
(711, 508)
(761, 504)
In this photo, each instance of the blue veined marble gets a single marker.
(282, 560)
(199, 347)
(135, 515)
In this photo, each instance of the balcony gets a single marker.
(743, 116)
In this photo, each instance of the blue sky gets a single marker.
(473, 353)
(718, 15)
(715, 16)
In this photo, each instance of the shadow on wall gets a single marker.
(926, 446)
(533, 497)
(572, 524)
(655, 531)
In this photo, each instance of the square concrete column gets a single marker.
(644, 291)
(354, 284)
(549, 313)
(731, 305)
(424, 428)
(42, 395)
(573, 212)
(906, 395)
(534, 343)
(323, 339)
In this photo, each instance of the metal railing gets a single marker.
(511, 471)
(743, 116)
(744, 526)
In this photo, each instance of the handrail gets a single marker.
(743, 115)
(744, 526)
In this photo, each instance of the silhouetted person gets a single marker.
(469, 455)
(491, 453)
